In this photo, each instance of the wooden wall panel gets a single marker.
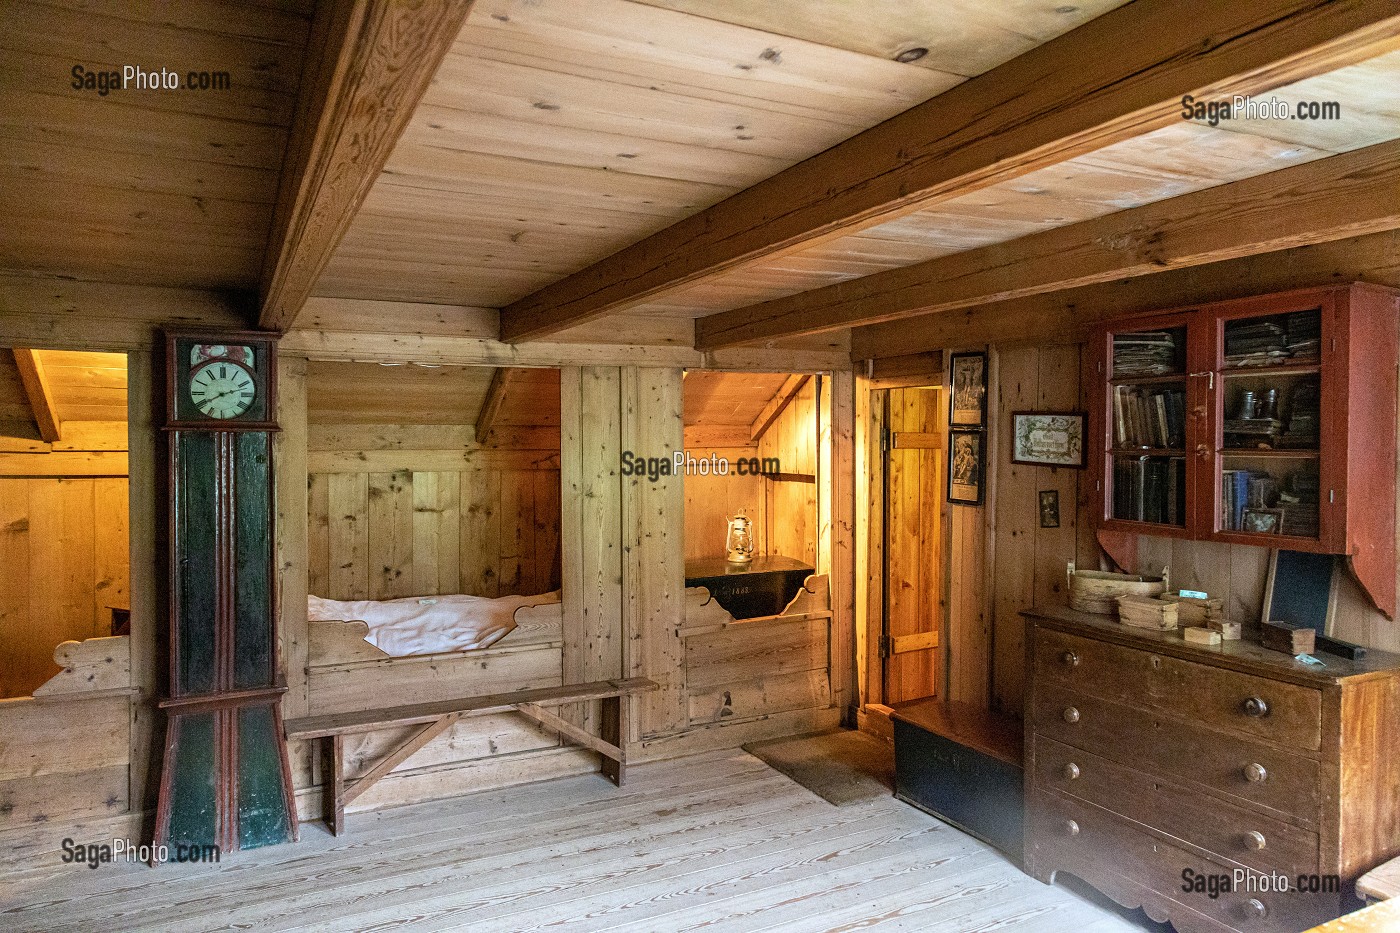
(654, 537)
(63, 760)
(711, 501)
(63, 566)
(790, 508)
(433, 532)
(1028, 562)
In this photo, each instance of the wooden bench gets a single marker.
(437, 717)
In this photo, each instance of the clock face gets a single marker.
(222, 389)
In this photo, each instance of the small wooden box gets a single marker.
(1200, 636)
(1288, 638)
(1146, 612)
(1229, 631)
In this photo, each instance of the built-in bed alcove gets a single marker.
(65, 654)
(757, 638)
(433, 564)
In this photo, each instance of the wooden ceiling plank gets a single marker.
(31, 373)
(1330, 199)
(791, 386)
(491, 407)
(1118, 76)
(357, 99)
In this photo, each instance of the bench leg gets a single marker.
(337, 786)
(613, 727)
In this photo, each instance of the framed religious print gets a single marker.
(966, 466)
(1047, 438)
(968, 398)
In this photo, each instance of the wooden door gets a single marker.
(915, 447)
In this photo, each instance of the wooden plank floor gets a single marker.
(719, 842)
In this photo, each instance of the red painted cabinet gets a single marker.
(1268, 421)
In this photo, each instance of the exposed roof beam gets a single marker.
(31, 373)
(1068, 315)
(1118, 76)
(491, 405)
(357, 96)
(1343, 196)
(775, 407)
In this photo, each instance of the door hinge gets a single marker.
(886, 646)
(884, 438)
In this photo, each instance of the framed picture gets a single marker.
(968, 401)
(1049, 508)
(1047, 438)
(966, 466)
(1262, 521)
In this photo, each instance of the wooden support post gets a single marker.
(491, 407)
(31, 373)
(777, 405)
(336, 815)
(614, 729)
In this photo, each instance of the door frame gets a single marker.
(871, 392)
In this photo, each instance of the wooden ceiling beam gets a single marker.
(358, 94)
(491, 405)
(1330, 199)
(1067, 316)
(775, 407)
(1118, 76)
(31, 374)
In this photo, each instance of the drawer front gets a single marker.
(1239, 834)
(1287, 784)
(1077, 837)
(1289, 714)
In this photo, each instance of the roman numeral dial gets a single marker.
(222, 389)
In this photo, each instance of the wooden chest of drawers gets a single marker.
(1164, 772)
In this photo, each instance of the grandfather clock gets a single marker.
(225, 779)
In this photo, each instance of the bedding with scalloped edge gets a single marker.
(428, 624)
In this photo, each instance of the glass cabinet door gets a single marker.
(1146, 468)
(1268, 427)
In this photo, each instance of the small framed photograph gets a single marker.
(1262, 521)
(968, 376)
(1049, 508)
(966, 466)
(1047, 438)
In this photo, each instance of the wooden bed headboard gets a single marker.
(346, 672)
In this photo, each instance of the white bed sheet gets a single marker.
(428, 624)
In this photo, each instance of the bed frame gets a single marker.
(355, 688)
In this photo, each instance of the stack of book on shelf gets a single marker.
(1149, 353)
(1304, 409)
(1240, 490)
(1256, 343)
(1150, 489)
(1298, 500)
(1304, 336)
(1145, 417)
(1244, 433)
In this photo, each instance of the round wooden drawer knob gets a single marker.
(1255, 840)
(1069, 659)
(1071, 714)
(1071, 828)
(1255, 773)
(1256, 707)
(1254, 909)
(1070, 771)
